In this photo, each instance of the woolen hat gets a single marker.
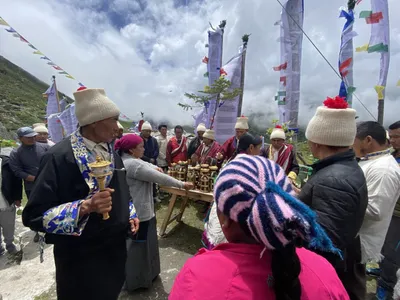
(209, 134)
(93, 105)
(242, 123)
(41, 129)
(146, 126)
(278, 133)
(333, 124)
(38, 124)
(201, 127)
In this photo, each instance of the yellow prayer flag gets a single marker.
(363, 48)
(398, 83)
(38, 52)
(206, 88)
(2, 22)
(379, 90)
(69, 76)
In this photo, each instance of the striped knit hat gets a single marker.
(255, 192)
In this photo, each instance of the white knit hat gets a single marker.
(40, 129)
(201, 127)
(92, 105)
(120, 126)
(333, 124)
(209, 134)
(277, 133)
(38, 124)
(242, 123)
(146, 126)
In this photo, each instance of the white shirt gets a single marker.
(382, 174)
(162, 150)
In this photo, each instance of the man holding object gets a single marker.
(66, 204)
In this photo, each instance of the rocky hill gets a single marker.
(21, 100)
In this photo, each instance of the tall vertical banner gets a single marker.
(346, 56)
(55, 128)
(225, 118)
(291, 40)
(214, 62)
(52, 101)
(378, 18)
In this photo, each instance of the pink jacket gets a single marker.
(236, 272)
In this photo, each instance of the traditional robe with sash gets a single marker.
(228, 149)
(285, 157)
(89, 252)
(176, 150)
(204, 153)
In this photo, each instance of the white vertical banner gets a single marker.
(55, 128)
(291, 40)
(225, 118)
(215, 44)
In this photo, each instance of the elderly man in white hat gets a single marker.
(337, 190)
(42, 134)
(208, 150)
(229, 148)
(66, 203)
(281, 153)
(196, 142)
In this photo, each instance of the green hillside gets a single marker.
(21, 100)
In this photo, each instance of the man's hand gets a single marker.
(219, 156)
(30, 178)
(100, 203)
(188, 186)
(134, 225)
(160, 170)
(17, 203)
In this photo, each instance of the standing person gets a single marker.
(177, 147)
(10, 198)
(382, 173)
(337, 190)
(66, 204)
(282, 153)
(42, 134)
(196, 142)
(162, 141)
(143, 265)
(230, 146)
(25, 160)
(206, 153)
(394, 137)
(264, 224)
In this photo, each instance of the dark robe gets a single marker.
(92, 265)
(193, 145)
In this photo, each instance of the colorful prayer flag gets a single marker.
(343, 69)
(38, 52)
(57, 67)
(283, 80)
(205, 60)
(11, 30)
(378, 48)
(363, 48)
(365, 14)
(205, 74)
(63, 72)
(374, 18)
(222, 72)
(69, 76)
(281, 67)
(2, 22)
(398, 83)
(379, 90)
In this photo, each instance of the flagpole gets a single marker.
(245, 40)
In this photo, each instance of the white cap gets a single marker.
(278, 133)
(333, 124)
(93, 105)
(201, 127)
(38, 124)
(209, 134)
(146, 126)
(41, 129)
(242, 123)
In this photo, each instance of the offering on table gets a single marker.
(213, 176)
(197, 176)
(191, 175)
(204, 184)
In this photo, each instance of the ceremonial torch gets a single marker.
(100, 170)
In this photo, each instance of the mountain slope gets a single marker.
(21, 100)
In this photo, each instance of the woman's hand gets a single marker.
(219, 156)
(134, 225)
(160, 170)
(188, 186)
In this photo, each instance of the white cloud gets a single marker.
(154, 57)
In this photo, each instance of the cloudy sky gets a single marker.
(146, 54)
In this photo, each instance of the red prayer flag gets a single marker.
(358, 2)
(374, 18)
(283, 79)
(344, 65)
(205, 60)
(281, 67)
(222, 72)
(57, 67)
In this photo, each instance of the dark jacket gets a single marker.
(11, 185)
(193, 145)
(151, 150)
(337, 192)
(25, 161)
(60, 181)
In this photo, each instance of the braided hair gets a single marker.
(256, 193)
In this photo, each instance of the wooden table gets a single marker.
(192, 194)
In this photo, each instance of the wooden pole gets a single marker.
(245, 40)
(381, 109)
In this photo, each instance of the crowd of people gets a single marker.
(265, 236)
